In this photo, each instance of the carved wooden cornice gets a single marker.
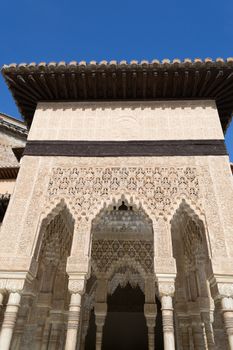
(18, 130)
(155, 80)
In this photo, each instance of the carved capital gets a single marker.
(166, 289)
(15, 285)
(166, 284)
(77, 286)
(11, 285)
(225, 289)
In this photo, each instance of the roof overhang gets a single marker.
(155, 80)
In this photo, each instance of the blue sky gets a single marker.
(65, 30)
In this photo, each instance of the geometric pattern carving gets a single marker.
(56, 242)
(105, 253)
(122, 278)
(160, 186)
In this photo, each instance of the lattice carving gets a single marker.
(57, 242)
(107, 252)
(121, 278)
(159, 187)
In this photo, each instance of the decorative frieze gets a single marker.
(158, 187)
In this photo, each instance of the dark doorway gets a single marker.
(125, 327)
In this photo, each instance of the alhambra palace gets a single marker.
(116, 206)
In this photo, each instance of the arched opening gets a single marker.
(43, 314)
(193, 304)
(122, 262)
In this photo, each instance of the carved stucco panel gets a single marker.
(214, 225)
(159, 188)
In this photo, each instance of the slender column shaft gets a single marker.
(198, 334)
(151, 338)
(168, 328)
(99, 336)
(1, 309)
(150, 312)
(209, 332)
(227, 306)
(100, 315)
(9, 320)
(73, 321)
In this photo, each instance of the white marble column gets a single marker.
(76, 288)
(222, 289)
(166, 288)
(9, 320)
(73, 321)
(227, 309)
(168, 328)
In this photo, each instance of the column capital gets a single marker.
(166, 284)
(77, 284)
(11, 285)
(222, 286)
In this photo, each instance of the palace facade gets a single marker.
(119, 228)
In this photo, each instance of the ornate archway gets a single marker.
(45, 303)
(193, 304)
(122, 256)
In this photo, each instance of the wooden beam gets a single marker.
(155, 83)
(19, 93)
(63, 84)
(93, 78)
(207, 78)
(144, 83)
(27, 103)
(185, 83)
(214, 84)
(220, 88)
(175, 83)
(54, 83)
(84, 80)
(114, 89)
(74, 86)
(46, 86)
(104, 83)
(26, 86)
(165, 81)
(124, 84)
(36, 85)
(24, 97)
(134, 83)
(23, 93)
(196, 81)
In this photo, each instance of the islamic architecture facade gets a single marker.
(119, 231)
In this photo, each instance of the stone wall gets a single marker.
(170, 120)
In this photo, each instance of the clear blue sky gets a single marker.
(56, 30)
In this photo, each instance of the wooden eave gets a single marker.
(8, 173)
(155, 80)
